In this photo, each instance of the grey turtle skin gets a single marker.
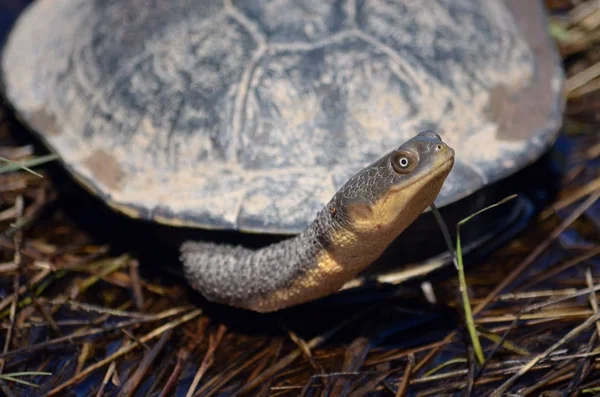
(349, 233)
(250, 115)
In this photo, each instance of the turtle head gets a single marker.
(357, 225)
(388, 195)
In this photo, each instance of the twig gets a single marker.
(126, 349)
(559, 269)
(213, 343)
(134, 273)
(133, 382)
(583, 368)
(96, 309)
(519, 269)
(538, 250)
(264, 391)
(8, 267)
(109, 373)
(38, 278)
(94, 332)
(403, 386)
(17, 238)
(583, 191)
(354, 358)
(471, 372)
(316, 341)
(593, 300)
(498, 345)
(217, 382)
(573, 333)
(182, 357)
(548, 378)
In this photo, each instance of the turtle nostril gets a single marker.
(438, 147)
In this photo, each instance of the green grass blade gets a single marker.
(458, 261)
(444, 364)
(558, 32)
(25, 165)
(467, 303)
(17, 380)
(467, 219)
(26, 373)
(13, 377)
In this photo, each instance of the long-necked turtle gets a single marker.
(250, 115)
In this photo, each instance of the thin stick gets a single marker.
(126, 349)
(572, 334)
(403, 387)
(518, 271)
(134, 381)
(538, 251)
(213, 343)
(17, 238)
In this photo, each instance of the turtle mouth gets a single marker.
(445, 164)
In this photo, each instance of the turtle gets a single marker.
(257, 116)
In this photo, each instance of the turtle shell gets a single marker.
(249, 115)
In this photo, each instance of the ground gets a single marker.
(88, 308)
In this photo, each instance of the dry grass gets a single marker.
(82, 317)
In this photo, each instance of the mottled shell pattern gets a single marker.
(250, 114)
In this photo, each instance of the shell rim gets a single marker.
(547, 134)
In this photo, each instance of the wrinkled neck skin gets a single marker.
(363, 218)
(367, 230)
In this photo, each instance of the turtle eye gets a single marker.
(404, 162)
